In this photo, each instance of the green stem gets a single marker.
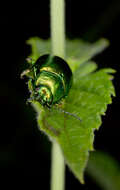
(58, 27)
(58, 48)
(57, 169)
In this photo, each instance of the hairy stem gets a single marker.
(58, 27)
(58, 48)
(57, 169)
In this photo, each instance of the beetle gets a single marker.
(50, 79)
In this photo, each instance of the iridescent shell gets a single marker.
(50, 80)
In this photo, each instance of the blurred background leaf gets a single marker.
(104, 170)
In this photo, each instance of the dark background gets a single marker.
(24, 150)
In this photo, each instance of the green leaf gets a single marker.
(77, 51)
(104, 170)
(88, 98)
(39, 47)
(84, 51)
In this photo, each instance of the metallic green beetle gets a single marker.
(50, 80)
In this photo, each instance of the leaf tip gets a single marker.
(105, 42)
(81, 179)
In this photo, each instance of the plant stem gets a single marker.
(58, 48)
(58, 27)
(57, 169)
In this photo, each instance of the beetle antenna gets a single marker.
(71, 114)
